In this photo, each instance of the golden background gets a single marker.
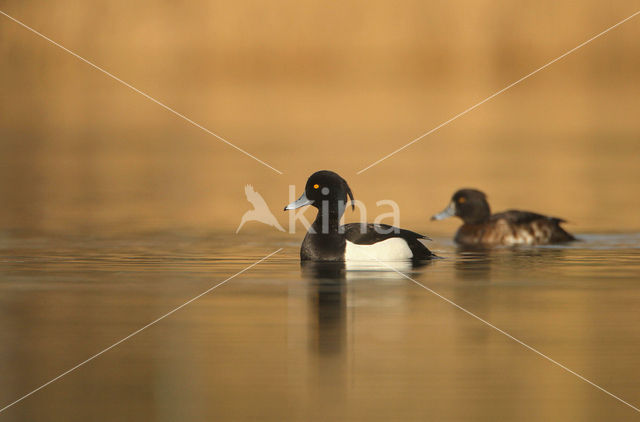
(309, 85)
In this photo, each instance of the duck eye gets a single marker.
(462, 200)
(316, 186)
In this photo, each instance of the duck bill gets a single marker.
(300, 202)
(450, 211)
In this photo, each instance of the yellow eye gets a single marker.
(316, 186)
(462, 200)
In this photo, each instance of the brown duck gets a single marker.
(512, 227)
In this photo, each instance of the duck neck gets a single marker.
(480, 214)
(328, 219)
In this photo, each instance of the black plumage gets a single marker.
(327, 240)
(368, 234)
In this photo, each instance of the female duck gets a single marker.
(511, 227)
(327, 240)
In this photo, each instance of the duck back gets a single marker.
(514, 227)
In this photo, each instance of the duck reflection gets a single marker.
(331, 326)
(473, 264)
(472, 271)
(327, 304)
(328, 296)
(483, 272)
(327, 333)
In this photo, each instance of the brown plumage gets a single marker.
(512, 227)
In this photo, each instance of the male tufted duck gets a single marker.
(327, 240)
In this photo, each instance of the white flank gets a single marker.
(394, 249)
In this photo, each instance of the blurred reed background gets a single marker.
(307, 85)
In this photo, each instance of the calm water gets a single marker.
(306, 86)
(281, 342)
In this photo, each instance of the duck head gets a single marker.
(469, 204)
(324, 190)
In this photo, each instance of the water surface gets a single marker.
(281, 342)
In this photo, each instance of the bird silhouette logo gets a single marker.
(260, 211)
